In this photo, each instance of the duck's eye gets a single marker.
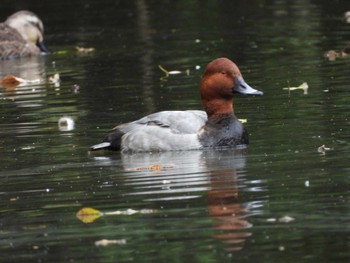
(223, 72)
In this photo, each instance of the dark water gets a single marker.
(279, 201)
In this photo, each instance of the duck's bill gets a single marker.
(242, 87)
(100, 146)
(43, 48)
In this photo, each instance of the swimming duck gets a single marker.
(217, 126)
(21, 35)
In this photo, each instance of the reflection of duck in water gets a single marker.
(215, 176)
(223, 202)
(21, 35)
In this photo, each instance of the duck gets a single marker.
(215, 127)
(21, 35)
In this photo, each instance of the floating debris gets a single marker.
(106, 242)
(61, 52)
(88, 211)
(66, 124)
(12, 81)
(25, 148)
(88, 215)
(323, 149)
(166, 182)
(55, 78)
(173, 72)
(152, 167)
(281, 248)
(286, 219)
(84, 49)
(75, 88)
(346, 50)
(304, 86)
(332, 55)
(307, 183)
(271, 220)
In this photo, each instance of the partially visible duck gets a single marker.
(21, 35)
(347, 17)
(217, 126)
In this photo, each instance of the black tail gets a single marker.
(112, 142)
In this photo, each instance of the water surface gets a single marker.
(278, 201)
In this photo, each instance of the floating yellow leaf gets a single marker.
(88, 215)
(88, 211)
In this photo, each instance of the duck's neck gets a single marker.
(216, 108)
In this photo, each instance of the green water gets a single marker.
(278, 201)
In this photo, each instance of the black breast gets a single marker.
(223, 131)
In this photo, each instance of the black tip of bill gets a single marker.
(100, 146)
(43, 48)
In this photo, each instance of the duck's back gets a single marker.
(12, 44)
(181, 122)
(161, 131)
(8, 33)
